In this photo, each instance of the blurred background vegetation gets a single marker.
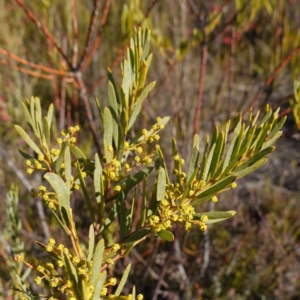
(212, 60)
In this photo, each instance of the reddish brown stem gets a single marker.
(75, 33)
(272, 77)
(33, 65)
(86, 60)
(200, 88)
(90, 32)
(29, 72)
(112, 66)
(88, 111)
(44, 30)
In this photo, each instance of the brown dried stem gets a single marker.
(200, 86)
(44, 30)
(75, 33)
(88, 111)
(86, 60)
(90, 32)
(23, 70)
(33, 65)
(272, 77)
(111, 67)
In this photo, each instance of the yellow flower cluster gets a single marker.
(50, 198)
(182, 214)
(35, 164)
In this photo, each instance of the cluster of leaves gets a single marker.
(117, 173)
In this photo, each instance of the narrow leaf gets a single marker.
(99, 285)
(138, 235)
(161, 184)
(63, 195)
(193, 162)
(28, 140)
(91, 243)
(86, 194)
(108, 132)
(250, 169)
(139, 102)
(166, 235)
(97, 262)
(68, 166)
(213, 190)
(215, 216)
(123, 281)
(112, 100)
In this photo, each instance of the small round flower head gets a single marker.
(140, 297)
(76, 187)
(139, 150)
(144, 132)
(204, 218)
(76, 260)
(148, 160)
(59, 141)
(42, 189)
(50, 266)
(176, 157)
(38, 280)
(158, 119)
(60, 263)
(54, 282)
(117, 188)
(29, 171)
(60, 247)
(188, 226)
(28, 163)
(137, 159)
(73, 139)
(41, 269)
(214, 199)
(113, 281)
(52, 206)
(116, 247)
(103, 292)
(234, 185)
(51, 241)
(202, 226)
(41, 157)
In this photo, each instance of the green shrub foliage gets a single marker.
(121, 176)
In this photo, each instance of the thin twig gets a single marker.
(200, 87)
(86, 61)
(25, 71)
(90, 32)
(149, 9)
(111, 67)
(162, 274)
(33, 65)
(44, 30)
(150, 270)
(88, 111)
(75, 33)
(272, 77)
